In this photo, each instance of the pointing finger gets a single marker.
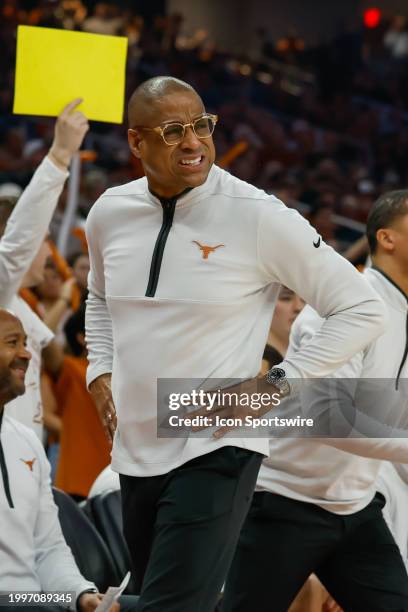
(70, 107)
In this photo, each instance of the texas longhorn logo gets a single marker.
(29, 463)
(205, 249)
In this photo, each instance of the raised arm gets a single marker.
(29, 221)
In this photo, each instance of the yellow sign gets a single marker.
(55, 66)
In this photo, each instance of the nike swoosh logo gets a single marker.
(317, 243)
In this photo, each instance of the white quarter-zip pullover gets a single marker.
(322, 471)
(33, 553)
(203, 309)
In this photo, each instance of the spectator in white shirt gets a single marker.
(23, 254)
(34, 556)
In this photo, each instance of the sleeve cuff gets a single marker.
(90, 589)
(93, 373)
(53, 170)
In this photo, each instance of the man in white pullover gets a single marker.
(316, 508)
(34, 556)
(23, 253)
(186, 266)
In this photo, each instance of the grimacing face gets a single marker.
(14, 357)
(163, 164)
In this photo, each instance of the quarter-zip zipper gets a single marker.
(4, 471)
(168, 205)
(405, 355)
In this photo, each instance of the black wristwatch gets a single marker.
(277, 378)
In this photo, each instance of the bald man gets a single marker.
(186, 267)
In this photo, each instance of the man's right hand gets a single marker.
(100, 389)
(70, 129)
(88, 602)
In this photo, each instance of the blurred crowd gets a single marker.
(326, 126)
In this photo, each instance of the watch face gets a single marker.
(278, 373)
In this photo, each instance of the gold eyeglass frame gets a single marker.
(160, 130)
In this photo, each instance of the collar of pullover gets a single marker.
(176, 198)
(190, 195)
(388, 289)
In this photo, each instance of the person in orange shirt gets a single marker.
(84, 448)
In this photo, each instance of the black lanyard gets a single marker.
(3, 466)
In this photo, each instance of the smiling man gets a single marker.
(34, 556)
(14, 357)
(186, 268)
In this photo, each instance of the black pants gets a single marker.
(182, 528)
(283, 541)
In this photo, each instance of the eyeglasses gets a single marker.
(173, 133)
